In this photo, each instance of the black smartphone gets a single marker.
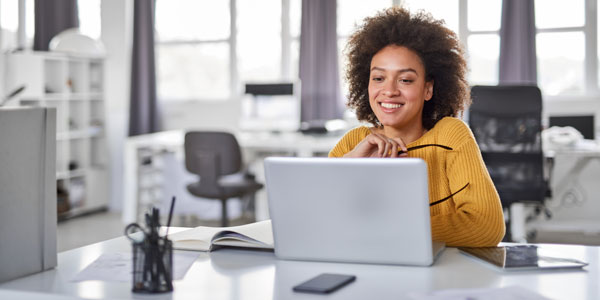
(324, 283)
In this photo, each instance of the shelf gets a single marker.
(74, 86)
(70, 174)
(92, 132)
(78, 96)
(55, 96)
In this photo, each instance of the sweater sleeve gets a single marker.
(475, 217)
(349, 141)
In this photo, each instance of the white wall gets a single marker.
(217, 115)
(117, 27)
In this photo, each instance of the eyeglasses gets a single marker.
(451, 195)
(444, 147)
(423, 146)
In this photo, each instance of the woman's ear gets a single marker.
(428, 90)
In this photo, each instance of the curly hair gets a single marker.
(437, 46)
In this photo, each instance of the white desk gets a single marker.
(243, 274)
(568, 182)
(255, 145)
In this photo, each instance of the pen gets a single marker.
(170, 215)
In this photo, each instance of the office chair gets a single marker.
(507, 124)
(216, 158)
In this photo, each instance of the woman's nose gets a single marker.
(390, 89)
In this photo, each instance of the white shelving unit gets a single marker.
(74, 84)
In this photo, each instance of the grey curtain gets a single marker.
(319, 61)
(52, 17)
(143, 108)
(517, 43)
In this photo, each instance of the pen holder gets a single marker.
(153, 266)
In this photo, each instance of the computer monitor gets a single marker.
(584, 124)
(271, 107)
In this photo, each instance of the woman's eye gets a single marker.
(378, 79)
(406, 80)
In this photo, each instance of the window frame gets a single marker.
(235, 84)
(590, 61)
(232, 60)
(464, 32)
(590, 31)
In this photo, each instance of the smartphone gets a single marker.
(324, 283)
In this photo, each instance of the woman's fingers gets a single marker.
(401, 145)
(379, 145)
(387, 147)
(394, 148)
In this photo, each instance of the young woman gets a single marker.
(407, 78)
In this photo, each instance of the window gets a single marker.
(89, 18)
(350, 15)
(291, 61)
(446, 10)
(9, 23)
(482, 40)
(193, 49)
(561, 47)
(259, 40)
(476, 22)
(89, 21)
(212, 61)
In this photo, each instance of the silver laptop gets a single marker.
(351, 210)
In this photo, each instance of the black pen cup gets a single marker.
(153, 266)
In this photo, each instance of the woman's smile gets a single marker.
(390, 107)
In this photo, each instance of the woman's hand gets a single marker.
(378, 145)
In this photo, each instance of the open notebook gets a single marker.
(202, 238)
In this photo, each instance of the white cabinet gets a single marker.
(74, 85)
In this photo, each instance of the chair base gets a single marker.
(224, 218)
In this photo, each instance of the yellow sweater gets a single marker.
(473, 216)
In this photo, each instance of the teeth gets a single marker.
(390, 105)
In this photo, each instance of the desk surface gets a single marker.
(245, 274)
(296, 142)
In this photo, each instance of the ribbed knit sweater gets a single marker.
(473, 216)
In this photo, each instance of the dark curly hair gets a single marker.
(437, 46)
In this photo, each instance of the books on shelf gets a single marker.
(254, 235)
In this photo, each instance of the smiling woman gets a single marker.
(406, 76)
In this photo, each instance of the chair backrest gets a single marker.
(507, 124)
(212, 154)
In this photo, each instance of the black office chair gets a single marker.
(216, 158)
(507, 124)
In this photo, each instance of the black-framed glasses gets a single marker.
(423, 146)
(443, 147)
(448, 197)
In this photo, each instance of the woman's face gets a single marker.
(397, 87)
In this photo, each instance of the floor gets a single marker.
(89, 229)
(101, 226)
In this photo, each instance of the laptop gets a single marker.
(351, 210)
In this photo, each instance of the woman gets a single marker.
(407, 78)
